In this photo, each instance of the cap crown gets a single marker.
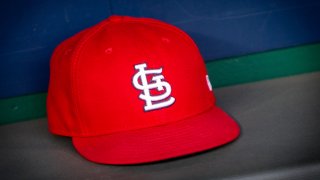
(124, 74)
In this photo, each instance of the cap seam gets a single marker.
(161, 24)
(74, 72)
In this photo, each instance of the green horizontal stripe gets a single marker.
(22, 108)
(230, 71)
(266, 65)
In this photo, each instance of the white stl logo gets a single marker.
(152, 101)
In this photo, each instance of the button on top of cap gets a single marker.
(116, 18)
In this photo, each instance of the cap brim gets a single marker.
(195, 134)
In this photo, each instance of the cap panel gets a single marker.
(61, 114)
(108, 101)
(61, 107)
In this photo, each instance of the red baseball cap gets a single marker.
(134, 90)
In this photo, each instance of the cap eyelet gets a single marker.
(108, 50)
(166, 40)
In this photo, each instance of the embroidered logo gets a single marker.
(155, 93)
